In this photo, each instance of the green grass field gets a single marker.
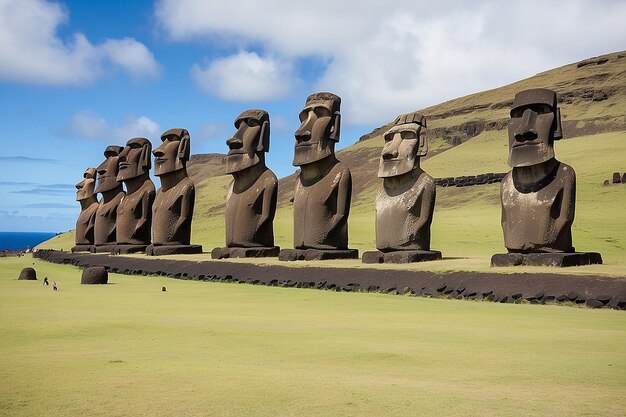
(214, 349)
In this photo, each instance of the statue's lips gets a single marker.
(124, 165)
(305, 144)
(235, 152)
(526, 143)
(159, 160)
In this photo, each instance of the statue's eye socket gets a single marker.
(252, 123)
(389, 138)
(303, 115)
(407, 134)
(542, 109)
(516, 113)
(322, 112)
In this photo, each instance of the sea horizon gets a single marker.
(23, 240)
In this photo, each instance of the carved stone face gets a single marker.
(108, 169)
(402, 150)
(251, 140)
(535, 124)
(85, 188)
(173, 153)
(319, 129)
(135, 159)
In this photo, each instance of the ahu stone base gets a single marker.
(153, 250)
(400, 256)
(121, 249)
(83, 248)
(317, 254)
(238, 252)
(546, 259)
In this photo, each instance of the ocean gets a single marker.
(22, 240)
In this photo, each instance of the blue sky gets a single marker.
(76, 76)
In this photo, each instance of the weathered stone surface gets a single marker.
(592, 303)
(161, 250)
(252, 195)
(324, 185)
(83, 248)
(546, 259)
(404, 256)
(174, 201)
(406, 201)
(254, 252)
(105, 229)
(616, 178)
(86, 196)
(95, 275)
(539, 194)
(134, 213)
(317, 254)
(28, 274)
(124, 249)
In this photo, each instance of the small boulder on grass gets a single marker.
(95, 275)
(28, 274)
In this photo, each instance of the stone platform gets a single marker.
(103, 248)
(534, 288)
(317, 254)
(83, 248)
(237, 252)
(153, 250)
(400, 256)
(559, 260)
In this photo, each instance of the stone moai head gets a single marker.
(135, 159)
(248, 145)
(86, 188)
(403, 146)
(535, 125)
(319, 131)
(173, 153)
(108, 170)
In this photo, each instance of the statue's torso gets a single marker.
(105, 223)
(314, 208)
(399, 219)
(133, 219)
(531, 221)
(85, 225)
(244, 211)
(167, 211)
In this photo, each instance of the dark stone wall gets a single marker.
(592, 291)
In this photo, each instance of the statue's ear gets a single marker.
(423, 122)
(423, 144)
(146, 156)
(558, 129)
(183, 148)
(336, 127)
(264, 138)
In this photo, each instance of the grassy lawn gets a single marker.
(214, 349)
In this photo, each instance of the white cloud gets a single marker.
(245, 76)
(385, 58)
(86, 124)
(32, 51)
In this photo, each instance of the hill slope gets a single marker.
(467, 137)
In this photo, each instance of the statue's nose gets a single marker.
(526, 129)
(234, 143)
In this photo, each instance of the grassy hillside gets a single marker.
(129, 349)
(467, 136)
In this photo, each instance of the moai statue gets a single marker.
(324, 185)
(251, 198)
(539, 194)
(86, 196)
(134, 214)
(172, 210)
(105, 231)
(405, 204)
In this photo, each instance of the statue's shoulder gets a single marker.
(341, 169)
(268, 178)
(565, 172)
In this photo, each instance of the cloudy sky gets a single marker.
(76, 76)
